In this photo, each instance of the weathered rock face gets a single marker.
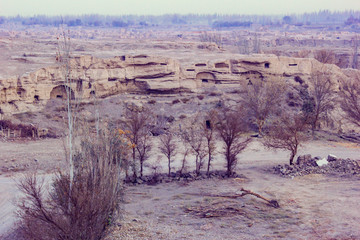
(92, 76)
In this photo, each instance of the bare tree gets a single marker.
(143, 148)
(134, 128)
(208, 129)
(231, 126)
(350, 99)
(168, 148)
(84, 210)
(287, 133)
(325, 56)
(193, 136)
(323, 92)
(186, 150)
(261, 99)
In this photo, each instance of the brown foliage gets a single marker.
(231, 126)
(287, 133)
(350, 100)
(82, 212)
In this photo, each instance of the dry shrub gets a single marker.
(82, 211)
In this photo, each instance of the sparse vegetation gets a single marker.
(165, 119)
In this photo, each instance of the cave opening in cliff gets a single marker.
(60, 92)
(36, 98)
(267, 65)
(206, 77)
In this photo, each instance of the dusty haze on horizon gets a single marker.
(158, 7)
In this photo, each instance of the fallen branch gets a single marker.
(272, 203)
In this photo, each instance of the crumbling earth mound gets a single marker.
(331, 166)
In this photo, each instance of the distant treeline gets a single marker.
(214, 20)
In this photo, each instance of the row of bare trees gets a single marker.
(262, 105)
(198, 137)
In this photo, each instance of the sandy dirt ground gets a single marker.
(312, 207)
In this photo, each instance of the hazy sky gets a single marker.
(156, 7)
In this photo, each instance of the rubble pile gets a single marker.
(330, 166)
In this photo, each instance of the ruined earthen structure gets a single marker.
(92, 76)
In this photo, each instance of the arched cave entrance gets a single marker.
(206, 78)
(59, 92)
